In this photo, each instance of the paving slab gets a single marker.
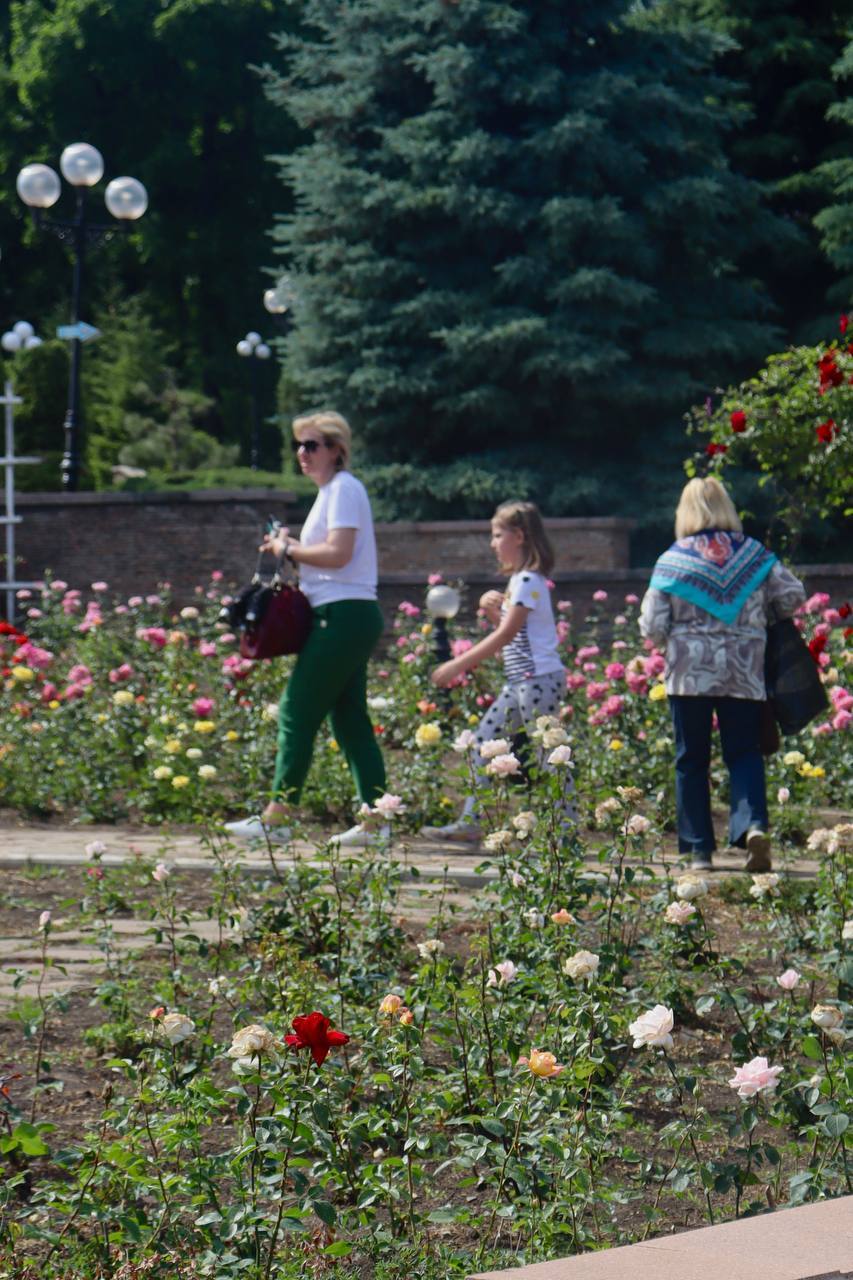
(48, 845)
(811, 1242)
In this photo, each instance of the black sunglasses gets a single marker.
(310, 446)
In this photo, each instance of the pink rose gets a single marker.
(503, 766)
(788, 980)
(434, 579)
(841, 720)
(207, 648)
(632, 599)
(389, 806)
(755, 1077)
(614, 671)
(99, 586)
(599, 596)
(202, 708)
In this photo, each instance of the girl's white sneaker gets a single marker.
(256, 831)
(359, 837)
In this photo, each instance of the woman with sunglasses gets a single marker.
(336, 557)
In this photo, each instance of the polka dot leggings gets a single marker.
(515, 708)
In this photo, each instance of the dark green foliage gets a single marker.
(513, 224)
(165, 90)
(782, 54)
(835, 222)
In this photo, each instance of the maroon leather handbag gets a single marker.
(273, 617)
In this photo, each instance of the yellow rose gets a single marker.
(53, 704)
(426, 629)
(657, 693)
(172, 745)
(472, 719)
(616, 744)
(426, 735)
(793, 758)
(206, 771)
(232, 736)
(179, 781)
(333, 744)
(542, 1064)
(123, 698)
(204, 726)
(162, 772)
(23, 675)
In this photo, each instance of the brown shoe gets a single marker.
(757, 851)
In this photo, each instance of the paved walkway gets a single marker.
(77, 954)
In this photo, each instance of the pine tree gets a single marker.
(781, 54)
(515, 226)
(835, 222)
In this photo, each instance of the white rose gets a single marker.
(679, 912)
(637, 825)
(554, 738)
(583, 964)
(498, 841)
(763, 885)
(524, 824)
(689, 887)
(494, 747)
(177, 1027)
(560, 756)
(251, 1042)
(189, 612)
(653, 1029)
(429, 948)
(827, 1017)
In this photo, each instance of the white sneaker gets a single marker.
(359, 837)
(462, 831)
(256, 831)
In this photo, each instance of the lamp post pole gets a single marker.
(39, 187)
(70, 464)
(253, 348)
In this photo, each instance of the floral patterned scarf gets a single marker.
(715, 569)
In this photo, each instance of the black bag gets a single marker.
(794, 687)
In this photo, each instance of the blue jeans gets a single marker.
(739, 720)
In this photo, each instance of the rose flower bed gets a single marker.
(593, 1050)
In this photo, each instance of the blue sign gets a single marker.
(81, 332)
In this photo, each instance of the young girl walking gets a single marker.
(526, 637)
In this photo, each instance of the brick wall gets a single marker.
(135, 540)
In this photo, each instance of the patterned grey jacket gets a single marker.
(707, 656)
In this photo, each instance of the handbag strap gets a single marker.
(278, 577)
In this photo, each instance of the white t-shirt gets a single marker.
(533, 651)
(341, 504)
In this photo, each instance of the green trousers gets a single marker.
(330, 679)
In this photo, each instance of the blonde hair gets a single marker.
(705, 504)
(334, 429)
(538, 552)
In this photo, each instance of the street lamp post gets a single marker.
(126, 199)
(442, 605)
(253, 348)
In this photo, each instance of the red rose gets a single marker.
(314, 1032)
(816, 646)
(842, 323)
(738, 421)
(844, 610)
(826, 431)
(714, 448)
